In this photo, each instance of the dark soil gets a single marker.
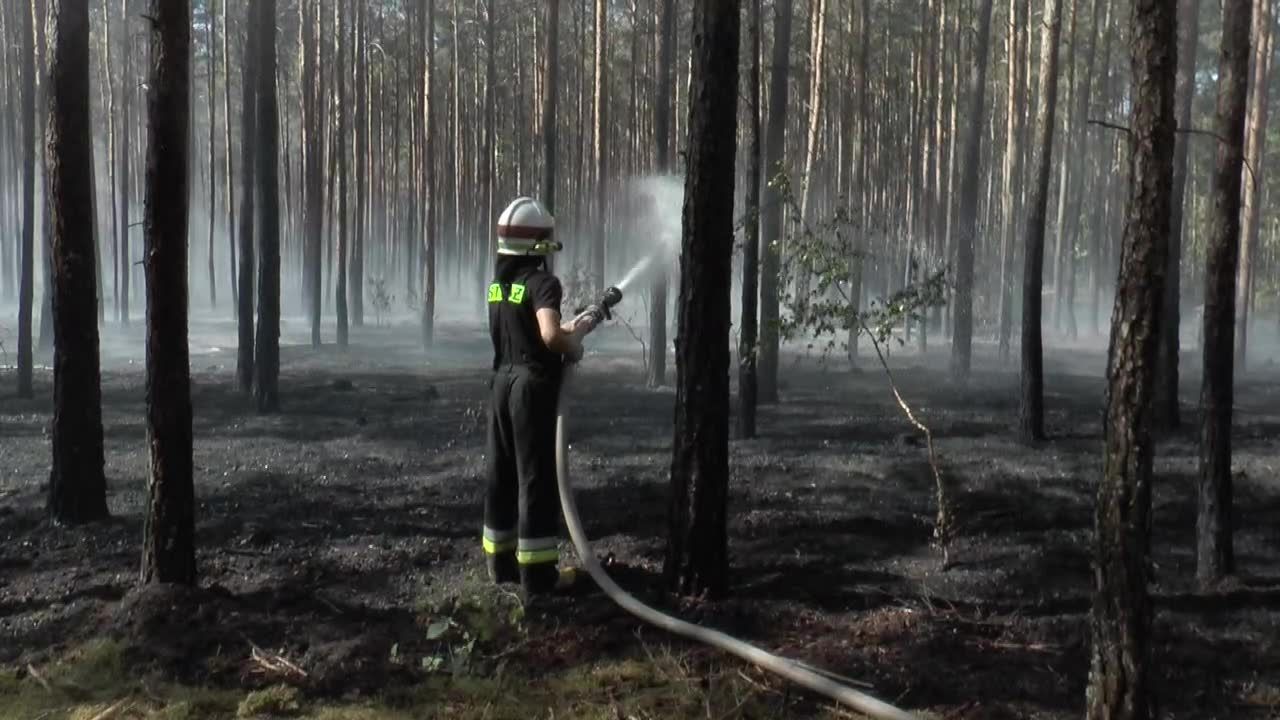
(329, 534)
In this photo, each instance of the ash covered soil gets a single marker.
(337, 533)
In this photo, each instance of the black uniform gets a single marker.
(521, 512)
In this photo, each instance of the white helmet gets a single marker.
(525, 228)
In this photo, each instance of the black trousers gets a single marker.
(522, 503)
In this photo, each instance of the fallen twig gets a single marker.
(269, 663)
(31, 670)
(110, 711)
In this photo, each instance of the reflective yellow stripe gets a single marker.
(495, 293)
(537, 557)
(494, 548)
(517, 293)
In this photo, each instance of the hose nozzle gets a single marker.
(612, 296)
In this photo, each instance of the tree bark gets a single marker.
(267, 339)
(1215, 557)
(1012, 188)
(599, 141)
(26, 282)
(213, 126)
(340, 293)
(248, 205)
(77, 485)
(1167, 411)
(168, 553)
(770, 209)
(962, 329)
(550, 93)
(751, 236)
(662, 163)
(313, 163)
(1031, 412)
(697, 546)
(428, 315)
(1120, 620)
(127, 90)
(1263, 34)
(229, 177)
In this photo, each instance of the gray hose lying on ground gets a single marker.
(789, 669)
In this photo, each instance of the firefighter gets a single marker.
(530, 347)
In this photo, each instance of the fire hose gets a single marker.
(790, 669)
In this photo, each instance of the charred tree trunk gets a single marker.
(267, 339)
(600, 141)
(751, 236)
(662, 144)
(427, 29)
(248, 204)
(343, 219)
(697, 546)
(550, 93)
(26, 283)
(213, 127)
(168, 553)
(1166, 411)
(1031, 415)
(1121, 617)
(1215, 557)
(313, 164)
(962, 330)
(771, 208)
(77, 485)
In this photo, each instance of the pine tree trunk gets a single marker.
(168, 553)
(361, 166)
(213, 127)
(127, 82)
(340, 296)
(429, 190)
(313, 163)
(962, 330)
(26, 289)
(1031, 411)
(770, 209)
(1215, 557)
(751, 236)
(1013, 171)
(248, 204)
(1119, 671)
(1263, 35)
(599, 141)
(550, 93)
(267, 338)
(1166, 409)
(697, 546)
(77, 485)
(228, 153)
(662, 162)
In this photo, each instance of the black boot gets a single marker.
(503, 568)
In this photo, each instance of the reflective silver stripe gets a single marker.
(535, 544)
(498, 536)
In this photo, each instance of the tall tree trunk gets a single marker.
(550, 93)
(1012, 175)
(267, 339)
(428, 318)
(26, 289)
(1068, 171)
(313, 163)
(751, 235)
(599, 141)
(1167, 412)
(248, 202)
(213, 127)
(1215, 557)
(1031, 414)
(662, 163)
(1120, 621)
(770, 209)
(229, 175)
(77, 485)
(168, 553)
(1263, 34)
(697, 546)
(962, 330)
(343, 218)
(127, 83)
(1079, 123)
(361, 166)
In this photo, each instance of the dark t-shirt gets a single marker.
(520, 288)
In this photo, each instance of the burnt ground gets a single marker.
(342, 534)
